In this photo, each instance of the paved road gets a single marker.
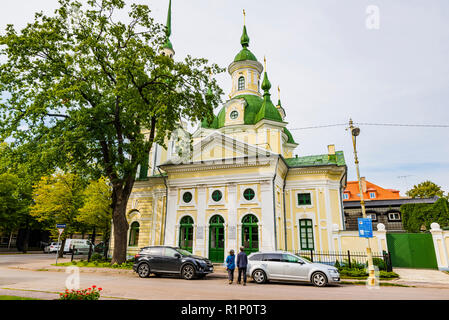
(130, 286)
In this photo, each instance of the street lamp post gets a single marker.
(354, 133)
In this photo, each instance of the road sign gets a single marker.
(60, 226)
(60, 230)
(365, 227)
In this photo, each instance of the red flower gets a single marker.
(100, 289)
(94, 286)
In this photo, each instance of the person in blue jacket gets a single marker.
(242, 263)
(230, 266)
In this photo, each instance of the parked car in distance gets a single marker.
(285, 266)
(171, 260)
(99, 248)
(53, 247)
(81, 246)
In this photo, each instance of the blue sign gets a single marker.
(60, 226)
(365, 227)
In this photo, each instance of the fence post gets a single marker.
(311, 255)
(387, 260)
(349, 259)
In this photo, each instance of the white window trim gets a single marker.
(242, 190)
(189, 204)
(374, 195)
(308, 206)
(389, 218)
(212, 202)
(345, 196)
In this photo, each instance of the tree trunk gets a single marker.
(61, 249)
(121, 227)
(92, 243)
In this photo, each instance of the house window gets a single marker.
(217, 195)
(306, 234)
(304, 199)
(241, 83)
(345, 196)
(187, 197)
(134, 234)
(372, 195)
(249, 194)
(372, 216)
(394, 216)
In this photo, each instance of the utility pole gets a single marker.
(354, 133)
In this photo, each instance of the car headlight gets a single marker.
(334, 271)
(202, 263)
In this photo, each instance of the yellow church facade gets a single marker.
(243, 184)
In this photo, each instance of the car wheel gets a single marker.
(319, 279)
(259, 276)
(188, 272)
(143, 270)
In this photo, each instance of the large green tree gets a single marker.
(84, 84)
(426, 189)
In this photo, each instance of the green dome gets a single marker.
(245, 54)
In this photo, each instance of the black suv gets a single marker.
(170, 260)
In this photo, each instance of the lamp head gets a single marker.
(355, 131)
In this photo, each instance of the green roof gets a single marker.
(317, 160)
(289, 135)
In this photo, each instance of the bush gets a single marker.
(380, 263)
(388, 275)
(96, 257)
(87, 294)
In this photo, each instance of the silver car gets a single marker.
(280, 265)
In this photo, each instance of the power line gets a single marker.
(376, 124)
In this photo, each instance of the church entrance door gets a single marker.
(216, 239)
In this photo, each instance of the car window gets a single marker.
(290, 258)
(156, 251)
(169, 252)
(272, 257)
(256, 257)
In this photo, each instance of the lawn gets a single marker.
(16, 298)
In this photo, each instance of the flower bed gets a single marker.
(91, 293)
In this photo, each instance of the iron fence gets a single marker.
(345, 258)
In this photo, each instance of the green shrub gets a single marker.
(388, 275)
(96, 257)
(380, 263)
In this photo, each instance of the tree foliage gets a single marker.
(10, 204)
(58, 199)
(415, 215)
(426, 189)
(83, 85)
(96, 210)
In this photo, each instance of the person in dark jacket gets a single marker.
(230, 266)
(242, 263)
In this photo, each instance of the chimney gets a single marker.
(331, 152)
(363, 180)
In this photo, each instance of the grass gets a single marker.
(16, 298)
(97, 264)
(382, 284)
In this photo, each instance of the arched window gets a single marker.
(134, 234)
(186, 233)
(241, 83)
(250, 233)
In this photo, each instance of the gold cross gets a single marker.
(244, 15)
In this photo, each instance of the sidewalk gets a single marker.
(422, 277)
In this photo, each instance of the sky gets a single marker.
(376, 61)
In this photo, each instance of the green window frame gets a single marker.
(186, 233)
(217, 195)
(306, 234)
(304, 199)
(187, 197)
(249, 194)
(134, 234)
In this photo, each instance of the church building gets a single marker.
(243, 184)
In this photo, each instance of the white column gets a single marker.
(267, 240)
(201, 245)
(170, 228)
(232, 218)
(438, 238)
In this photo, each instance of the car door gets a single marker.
(294, 267)
(155, 258)
(171, 261)
(274, 264)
